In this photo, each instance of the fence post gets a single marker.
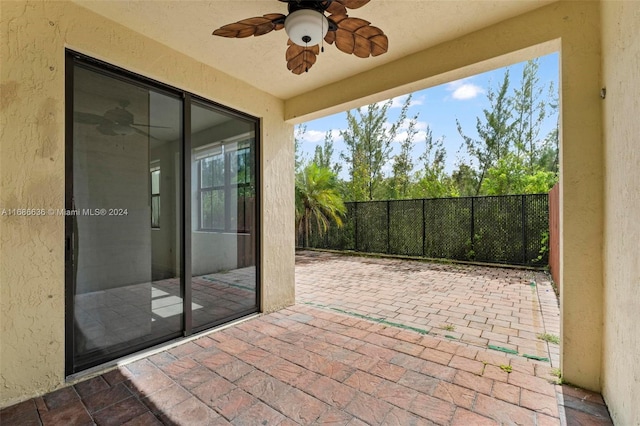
(355, 221)
(524, 230)
(473, 223)
(388, 227)
(424, 228)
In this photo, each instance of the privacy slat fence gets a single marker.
(509, 229)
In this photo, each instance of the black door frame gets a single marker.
(72, 59)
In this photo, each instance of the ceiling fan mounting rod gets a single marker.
(319, 5)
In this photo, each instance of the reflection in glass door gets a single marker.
(223, 264)
(126, 151)
(138, 272)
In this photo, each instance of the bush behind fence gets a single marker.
(508, 229)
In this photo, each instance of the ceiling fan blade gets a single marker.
(353, 4)
(372, 40)
(336, 8)
(149, 125)
(88, 118)
(330, 37)
(300, 59)
(144, 134)
(357, 36)
(252, 26)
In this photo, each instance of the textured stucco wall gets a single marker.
(33, 36)
(573, 27)
(621, 110)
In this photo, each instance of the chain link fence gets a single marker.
(507, 229)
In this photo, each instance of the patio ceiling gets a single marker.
(410, 25)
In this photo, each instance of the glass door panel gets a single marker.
(138, 272)
(223, 231)
(126, 234)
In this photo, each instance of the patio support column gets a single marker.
(581, 201)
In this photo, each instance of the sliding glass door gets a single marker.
(222, 215)
(157, 247)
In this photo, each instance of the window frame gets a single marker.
(155, 195)
(228, 187)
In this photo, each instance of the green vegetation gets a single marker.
(558, 374)
(448, 327)
(368, 139)
(551, 338)
(506, 153)
(506, 368)
(318, 203)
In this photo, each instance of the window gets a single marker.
(225, 190)
(155, 197)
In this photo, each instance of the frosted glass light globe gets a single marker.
(306, 27)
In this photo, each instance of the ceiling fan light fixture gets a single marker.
(121, 130)
(306, 27)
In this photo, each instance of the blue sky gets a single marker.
(439, 107)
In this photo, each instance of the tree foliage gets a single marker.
(494, 133)
(403, 164)
(507, 152)
(431, 180)
(298, 133)
(323, 155)
(318, 203)
(530, 110)
(368, 138)
(510, 155)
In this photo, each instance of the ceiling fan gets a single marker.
(307, 26)
(114, 122)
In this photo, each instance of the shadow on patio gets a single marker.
(335, 362)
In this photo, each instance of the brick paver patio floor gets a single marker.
(314, 365)
(481, 306)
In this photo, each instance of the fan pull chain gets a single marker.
(322, 41)
(304, 56)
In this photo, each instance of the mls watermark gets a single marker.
(64, 212)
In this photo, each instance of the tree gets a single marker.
(403, 164)
(368, 139)
(465, 180)
(432, 181)
(318, 203)
(530, 110)
(298, 134)
(324, 153)
(494, 133)
(512, 176)
(548, 157)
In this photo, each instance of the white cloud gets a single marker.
(463, 89)
(314, 136)
(399, 101)
(422, 125)
(317, 136)
(421, 134)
